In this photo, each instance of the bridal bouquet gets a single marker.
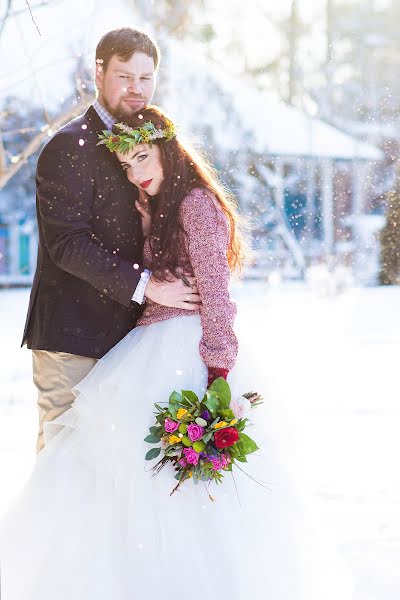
(202, 438)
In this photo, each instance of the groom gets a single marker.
(89, 282)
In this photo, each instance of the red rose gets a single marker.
(226, 437)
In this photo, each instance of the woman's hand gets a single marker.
(142, 204)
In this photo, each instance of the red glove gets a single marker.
(214, 373)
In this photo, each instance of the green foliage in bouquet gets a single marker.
(204, 438)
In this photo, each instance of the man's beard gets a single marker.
(119, 113)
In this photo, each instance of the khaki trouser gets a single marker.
(54, 375)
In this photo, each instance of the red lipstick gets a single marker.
(146, 184)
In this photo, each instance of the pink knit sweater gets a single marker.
(203, 252)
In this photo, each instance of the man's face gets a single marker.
(126, 87)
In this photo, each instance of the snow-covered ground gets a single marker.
(335, 364)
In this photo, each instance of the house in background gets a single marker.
(321, 181)
(310, 181)
(18, 245)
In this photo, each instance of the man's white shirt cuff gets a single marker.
(138, 296)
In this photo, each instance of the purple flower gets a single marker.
(216, 463)
(225, 460)
(206, 415)
(191, 455)
(219, 462)
(182, 462)
(195, 432)
(170, 425)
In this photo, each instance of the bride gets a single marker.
(93, 523)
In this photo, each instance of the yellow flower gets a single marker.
(181, 413)
(190, 474)
(233, 422)
(174, 439)
(220, 424)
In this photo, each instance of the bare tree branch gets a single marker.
(35, 143)
(33, 18)
(6, 15)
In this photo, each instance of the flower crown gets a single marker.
(129, 137)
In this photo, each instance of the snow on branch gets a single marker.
(7, 172)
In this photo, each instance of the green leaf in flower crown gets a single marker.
(207, 437)
(212, 403)
(153, 453)
(175, 398)
(249, 445)
(124, 147)
(152, 439)
(221, 387)
(201, 422)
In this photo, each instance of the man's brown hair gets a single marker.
(123, 43)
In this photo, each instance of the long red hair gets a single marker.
(185, 169)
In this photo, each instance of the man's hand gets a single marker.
(175, 293)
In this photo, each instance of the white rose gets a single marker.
(240, 406)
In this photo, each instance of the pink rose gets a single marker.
(195, 432)
(191, 456)
(182, 462)
(170, 425)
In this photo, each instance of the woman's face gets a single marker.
(143, 167)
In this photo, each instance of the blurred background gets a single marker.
(297, 104)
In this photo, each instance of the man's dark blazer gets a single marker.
(90, 245)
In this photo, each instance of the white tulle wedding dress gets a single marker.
(92, 523)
